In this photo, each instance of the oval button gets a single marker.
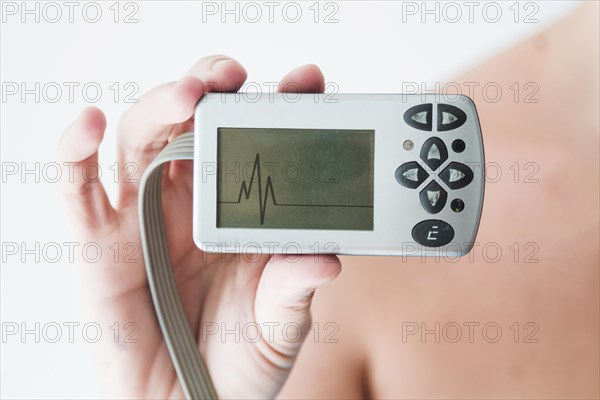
(450, 117)
(419, 117)
(433, 233)
(411, 175)
(456, 175)
(434, 153)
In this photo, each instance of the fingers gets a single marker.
(305, 79)
(288, 283)
(78, 151)
(219, 73)
(167, 110)
(283, 300)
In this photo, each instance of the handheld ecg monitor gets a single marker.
(364, 174)
(370, 174)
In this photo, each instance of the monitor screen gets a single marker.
(295, 178)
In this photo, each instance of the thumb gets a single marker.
(283, 299)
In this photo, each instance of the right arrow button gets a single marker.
(456, 175)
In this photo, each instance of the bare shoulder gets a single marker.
(518, 316)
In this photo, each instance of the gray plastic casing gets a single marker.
(397, 209)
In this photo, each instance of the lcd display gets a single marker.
(295, 178)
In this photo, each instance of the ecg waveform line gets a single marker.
(246, 191)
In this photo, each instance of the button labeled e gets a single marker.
(434, 233)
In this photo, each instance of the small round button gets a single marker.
(458, 146)
(408, 145)
(457, 205)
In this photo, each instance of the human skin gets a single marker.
(373, 297)
(214, 290)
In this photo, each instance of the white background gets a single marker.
(373, 47)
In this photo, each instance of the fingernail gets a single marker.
(219, 63)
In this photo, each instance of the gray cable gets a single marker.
(191, 369)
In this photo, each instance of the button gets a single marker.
(434, 153)
(411, 175)
(449, 117)
(458, 146)
(457, 205)
(433, 198)
(433, 233)
(419, 117)
(456, 175)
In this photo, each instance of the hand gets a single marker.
(217, 291)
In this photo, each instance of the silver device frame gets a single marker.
(397, 209)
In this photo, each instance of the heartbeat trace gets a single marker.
(262, 198)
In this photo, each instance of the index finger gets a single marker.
(145, 128)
